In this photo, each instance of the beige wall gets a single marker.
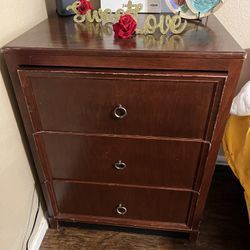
(16, 180)
(235, 16)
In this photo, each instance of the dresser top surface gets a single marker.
(62, 34)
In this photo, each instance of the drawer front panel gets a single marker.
(168, 163)
(164, 104)
(140, 203)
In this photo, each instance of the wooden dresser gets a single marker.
(124, 132)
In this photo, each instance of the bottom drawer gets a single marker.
(147, 204)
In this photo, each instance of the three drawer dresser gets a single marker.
(124, 132)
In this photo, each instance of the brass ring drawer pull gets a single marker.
(121, 209)
(120, 165)
(120, 112)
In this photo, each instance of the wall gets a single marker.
(18, 202)
(234, 15)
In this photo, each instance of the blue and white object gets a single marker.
(194, 9)
(181, 8)
(164, 7)
(241, 103)
(203, 6)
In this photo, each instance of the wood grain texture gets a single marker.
(224, 227)
(149, 162)
(61, 49)
(150, 206)
(157, 103)
(61, 33)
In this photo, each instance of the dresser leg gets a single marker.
(193, 236)
(53, 223)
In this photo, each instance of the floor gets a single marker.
(224, 226)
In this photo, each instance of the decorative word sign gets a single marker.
(166, 23)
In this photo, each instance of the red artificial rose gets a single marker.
(84, 6)
(125, 28)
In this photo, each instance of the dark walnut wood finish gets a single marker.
(123, 160)
(153, 167)
(142, 204)
(149, 111)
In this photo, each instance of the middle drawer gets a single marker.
(123, 160)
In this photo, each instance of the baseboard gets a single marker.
(221, 160)
(38, 238)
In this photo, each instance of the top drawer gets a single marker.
(153, 103)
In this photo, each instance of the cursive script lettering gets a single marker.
(166, 23)
(104, 16)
